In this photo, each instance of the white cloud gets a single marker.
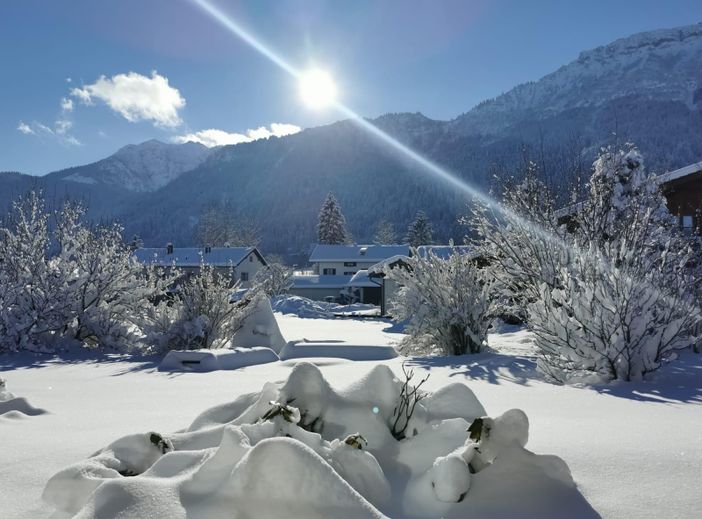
(214, 137)
(66, 104)
(62, 126)
(25, 128)
(59, 132)
(136, 97)
(70, 139)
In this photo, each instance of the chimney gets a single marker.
(169, 248)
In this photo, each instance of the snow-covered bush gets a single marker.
(201, 314)
(103, 282)
(609, 293)
(446, 303)
(77, 283)
(33, 306)
(274, 279)
(302, 448)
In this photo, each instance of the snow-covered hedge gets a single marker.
(302, 449)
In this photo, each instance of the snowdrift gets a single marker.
(219, 359)
(310, 309)
(336, 349)
(13, 407)
(303, 449)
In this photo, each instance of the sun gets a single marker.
(317, 89)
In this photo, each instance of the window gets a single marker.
(329, 272)
(687, 223)
(251, 258)
(350, 273)
(244, 276)
(349, 263)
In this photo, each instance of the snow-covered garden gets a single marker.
(138, 392)
(633, 449)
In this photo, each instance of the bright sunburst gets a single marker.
(317, 89)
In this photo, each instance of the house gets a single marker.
(346, 260)
(246, 261)
(335, 266)
(683, 192)
(388, 287)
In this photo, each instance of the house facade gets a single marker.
(245, 261)
(335, 266)
(346, 260)
(683, 192)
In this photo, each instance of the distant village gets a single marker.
(341, 272)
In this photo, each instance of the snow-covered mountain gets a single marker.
(662, 65)
(646, 88)
(141, 167)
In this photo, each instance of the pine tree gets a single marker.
(419, 231)
(331, 229)
(384, 233)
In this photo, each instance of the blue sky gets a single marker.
(171, 71)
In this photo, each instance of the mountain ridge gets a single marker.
(646, 88)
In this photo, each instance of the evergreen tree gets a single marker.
(384, 233)
(419, 231)
(331, 229)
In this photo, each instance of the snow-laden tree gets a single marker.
(419, 231)
(384, 233)
(445, 302)
(274, 279)
(609, 293)
(33, 306)
(331, 227)
(201, 313)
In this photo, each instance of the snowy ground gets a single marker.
(635, 450)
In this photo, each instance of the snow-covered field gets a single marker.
(634, 450)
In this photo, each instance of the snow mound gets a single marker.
(304, 449)
(342, 350)
(302, 307)
(13, 407)
(212, 360)
(259, 329)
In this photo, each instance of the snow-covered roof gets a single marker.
(679, 173)
(361, 279)
(363, 253)
(191, 256)
(380, 268)
(320, 281)
(444, 251)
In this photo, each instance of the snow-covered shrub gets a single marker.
(610, 292)
(78, 283)
(105, 285)
(409, 397)
(33, 306)
(274, 279)
(446, 303)
(258, 456)
(201, 314)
